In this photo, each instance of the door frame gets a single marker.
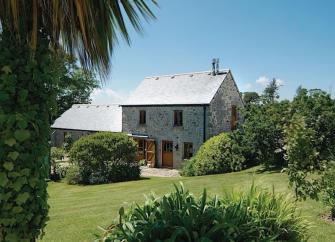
(137, 140)
(162, 151)
(153, 152)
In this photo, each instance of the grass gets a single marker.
(77, 211)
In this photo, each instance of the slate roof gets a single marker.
(91, 118)
(187, 88)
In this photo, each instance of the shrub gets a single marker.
(219, 154)
(318, 109)
(73, 175)
(246, 143)
(57, 171)
(180, 216)
(142, 162)
(263, 130)
(57, 153)
(310, 145)
(68, 142)
(302, 158)
(328, 184)
(105, 157)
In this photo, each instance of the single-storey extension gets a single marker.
(83, 119)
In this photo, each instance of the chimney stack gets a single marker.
(213, 66)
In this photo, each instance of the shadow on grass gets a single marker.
(100, 184)
(269, 170)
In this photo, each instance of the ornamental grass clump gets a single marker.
(179, 216)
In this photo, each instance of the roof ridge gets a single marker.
(187, 73)
(90, 104)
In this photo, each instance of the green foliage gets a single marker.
(57, 171)
(180, 216)
(89, 30)
(263, 131)
(142, 162)
(318, 110)
(271, 92)
(250, 97)
(68, 142)
(57, 153)
(73, 175)
(328, 188)
(246, 145)
(28, 31)
(263, 128)
(310, 144)
(26, 95)
(219, 154)
(302, 157)
(74, 86)
(105, 157)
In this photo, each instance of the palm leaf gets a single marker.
(87, 29)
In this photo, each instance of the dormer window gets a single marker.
(178, 118)
(143, 118)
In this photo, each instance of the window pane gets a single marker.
(142, 117)
(188, 150)
(178, 118)
(167, 146)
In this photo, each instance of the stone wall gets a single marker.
(57, 135)
(160, 126)
(219, 119)
(159, 121)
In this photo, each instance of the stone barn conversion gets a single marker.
(171, 116)
(83, 119)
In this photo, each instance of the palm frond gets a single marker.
(85, 28)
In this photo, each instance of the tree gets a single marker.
(310, 145)
(318, 110)
(250, 97)
(75, 85)
(302, 157)
(270, 93)
(31, 35)
(263, 128)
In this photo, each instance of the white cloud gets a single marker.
(280, 82)
(248, 86)
(108, 96)
(264, 81)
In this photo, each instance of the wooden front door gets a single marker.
(167, 154)
(151, 153)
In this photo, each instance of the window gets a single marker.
(141, 146)
(188, 150)
(178, 118)
(233, 117)
(143, 117)
(167, 146)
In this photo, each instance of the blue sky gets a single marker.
(293, 41)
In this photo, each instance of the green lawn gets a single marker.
(77, 211)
